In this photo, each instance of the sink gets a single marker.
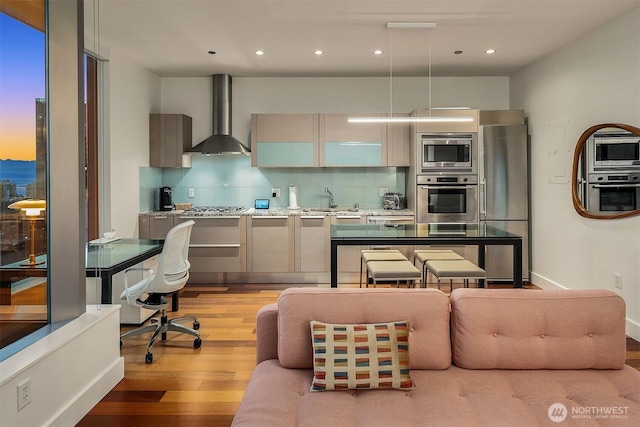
(329, 210)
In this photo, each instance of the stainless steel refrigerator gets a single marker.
(504, 193)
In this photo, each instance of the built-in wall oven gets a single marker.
(454, 152)
(449, 198)
(613, 149)
(613, 192)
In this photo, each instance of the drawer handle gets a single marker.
(160, 217)
(349, 216)
(270, 217)
(222, 245)
(311, 217)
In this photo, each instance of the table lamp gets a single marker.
(32, 209)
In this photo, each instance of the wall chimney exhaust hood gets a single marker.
(221, 142)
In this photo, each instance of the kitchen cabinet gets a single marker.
(398, 143)
(170, 135)
(155, 226)
(352, 144)
(348, 256)
(471, 126)
(312, 243)
(284, 140)
(218, 244)
(271, 244)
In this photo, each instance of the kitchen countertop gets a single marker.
(298, 212)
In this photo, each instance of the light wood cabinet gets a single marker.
(170, 135)
(471, 126)
(398, 143)
(284, 140)
(312, 243)
(352, 144)
(218, 244)
(270, 244)
(155, 226)
(349, 256)
(328, 139)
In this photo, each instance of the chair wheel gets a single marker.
(148, 358)
(196, 325)
(197, 343)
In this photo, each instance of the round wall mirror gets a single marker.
(605, 178)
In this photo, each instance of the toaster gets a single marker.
(395, 201)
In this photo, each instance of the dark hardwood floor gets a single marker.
(200, 387)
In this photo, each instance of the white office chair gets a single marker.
(170, 276)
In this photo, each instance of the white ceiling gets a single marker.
(172, 37)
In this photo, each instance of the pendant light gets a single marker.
(428, 119)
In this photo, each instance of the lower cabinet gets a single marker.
(155, 226)
(218, 244)
(349, 256)
(312, 244)
(271, 245)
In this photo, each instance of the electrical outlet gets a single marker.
(382, 191)
(192, 192)
(617, 280)
(24, 393)
(275, 192)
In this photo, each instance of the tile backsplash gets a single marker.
(230, 180)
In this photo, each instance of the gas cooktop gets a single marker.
(212, 210)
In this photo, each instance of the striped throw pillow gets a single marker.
(366, 356)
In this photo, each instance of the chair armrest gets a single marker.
(131, 298)
(267, 333)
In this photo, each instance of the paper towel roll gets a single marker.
(293, 198)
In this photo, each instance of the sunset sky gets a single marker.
(22, 80)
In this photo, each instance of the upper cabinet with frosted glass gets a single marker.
(326, 140)
(352, 144)
(284, 140)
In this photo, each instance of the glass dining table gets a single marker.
(479, 235)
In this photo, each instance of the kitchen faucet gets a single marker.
(332, 203)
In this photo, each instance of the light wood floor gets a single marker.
(200, 387)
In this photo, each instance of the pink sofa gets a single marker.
(481, 357)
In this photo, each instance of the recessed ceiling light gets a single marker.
(378, 52)
(259, 52)
(318, 52)
(490, 51)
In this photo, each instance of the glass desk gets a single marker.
(103, 260)
(425, 234)
(106, 260)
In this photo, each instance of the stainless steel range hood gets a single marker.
(221, 142)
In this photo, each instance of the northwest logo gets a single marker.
(557, 412)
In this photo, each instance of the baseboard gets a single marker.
(545, 283)
(87, 398)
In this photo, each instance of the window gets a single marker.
(23, 172)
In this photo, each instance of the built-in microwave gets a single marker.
(612, 149)
(448, 152)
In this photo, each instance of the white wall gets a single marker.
(594, 80)
(134, 92)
